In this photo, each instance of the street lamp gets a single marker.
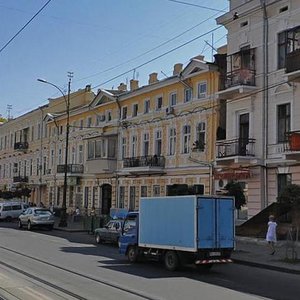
(63, 218)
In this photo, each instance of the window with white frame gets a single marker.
(133, 146)
(124, 112)
(81, 125)
(202, 90)
(172, 141)
(80, 154)
(187, 95)
(200, 138)
(59, 156)
(73, 155)
(91, 150)
(111, 145)
(146, 138)
(283, 121)
(173, 99)
(186, 138)
(124, 147)
(158, 142)
(135, 109)
(147, 106)
(159, 103)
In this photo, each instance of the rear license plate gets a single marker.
(214, 253)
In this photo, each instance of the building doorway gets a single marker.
(106, 199)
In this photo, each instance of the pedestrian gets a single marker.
(51, 207)
(271, 234)
(77, 211)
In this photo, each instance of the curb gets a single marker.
(265, 266)
(69, 229)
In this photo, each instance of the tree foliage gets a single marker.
(235, 189)
(290, 195)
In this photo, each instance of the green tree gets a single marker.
(291, 196)
(2, 120)
(235, 189)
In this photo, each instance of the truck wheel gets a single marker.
(171, 261)
(132, 254)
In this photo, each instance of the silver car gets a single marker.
(36, 216)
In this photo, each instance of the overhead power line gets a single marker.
(25, 25)
(196, 5)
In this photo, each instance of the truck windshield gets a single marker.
(130, 223)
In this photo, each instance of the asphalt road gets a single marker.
(48, 265)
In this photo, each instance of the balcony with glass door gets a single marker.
(240, 76)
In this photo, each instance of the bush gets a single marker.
(290, 195)
(235, 189)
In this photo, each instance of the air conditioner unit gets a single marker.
(170, 110)
(220, 185)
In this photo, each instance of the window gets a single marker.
(89, 122)
(132, 198)
(133, 145)
(124, 112)
(146, 144)
(111, 153)
(186, 134)
(146, 106)
(159, 102)
(80, 154)
(283, 122)
(202, 90)
(81, 125)
(44, 165)
(86, 197)
(200, 141)
(172, 99)
(172, 141)
(135, 109)
(187, 95)
(73, 155)
(156, 190)
(288, 41)
(158, 143)
(91, 149)
(121, 203)
(97, 149)
(282, 181)
(143, 191)
(124, 147)
(109, 117)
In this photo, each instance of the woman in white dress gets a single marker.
(271, 234)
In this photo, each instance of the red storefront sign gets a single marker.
(233, 174)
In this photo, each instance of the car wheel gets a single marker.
(20, 224)
(50, 227)
(98, 238)
(132, 254)
(29, 226)
(8, 219)
(171, 261)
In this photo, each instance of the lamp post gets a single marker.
(63, 218)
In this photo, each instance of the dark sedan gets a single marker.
(109, 233)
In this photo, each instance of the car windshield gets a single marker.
(42, 212)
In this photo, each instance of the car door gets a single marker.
(24, 217)
(116, 232)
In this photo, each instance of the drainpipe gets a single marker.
(41, 156)
(118, 145)
(264, 181)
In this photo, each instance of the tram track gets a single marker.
(67, 292)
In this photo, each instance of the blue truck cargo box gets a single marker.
(186, 223)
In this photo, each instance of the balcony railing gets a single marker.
(21, 146)
(20, 179)
(144, 161)
(235, 147)
(240, 77)
(293, 61)
(71, 168)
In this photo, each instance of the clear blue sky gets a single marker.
(88, 37)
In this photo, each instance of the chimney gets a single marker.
(88, 88)
(152, 78)
(134, 84)
(199, 57)
(177, 69)
(122, 87)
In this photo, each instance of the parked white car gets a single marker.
(11, 210)
(36, 217)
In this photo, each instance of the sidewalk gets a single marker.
(248, 251)
(255, 252)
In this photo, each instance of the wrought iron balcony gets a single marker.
(21, 146)
(293, 61)
(19, 179)
(235, 147)
(240, 77)
(144, 161)
(71, 168)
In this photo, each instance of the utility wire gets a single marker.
(25, 26)
(196, 5)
